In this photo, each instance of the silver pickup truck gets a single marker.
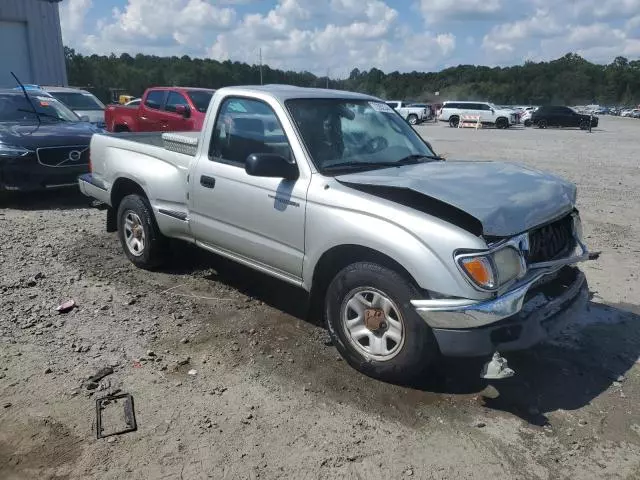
(408, 256)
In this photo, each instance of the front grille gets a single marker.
(551, 241)
(68, 156)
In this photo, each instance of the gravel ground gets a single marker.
(231, 380)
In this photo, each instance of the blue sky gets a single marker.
(338, 35)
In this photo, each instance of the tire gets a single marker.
(542, 123)
(135, 210)
(454, 121)
(527, 123)
(121, 129)
(584, 125)
(404, 360)
(502, 123)
(412, 119)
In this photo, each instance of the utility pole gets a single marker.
(260, 66)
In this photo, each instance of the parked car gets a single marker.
(407, 255)
(411, 114)
(525, 118)
(82, 102)
(556, 116)
(43, 144)
(161, 109)
(489, 114)
(430, 109)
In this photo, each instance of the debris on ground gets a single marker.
(66, 307)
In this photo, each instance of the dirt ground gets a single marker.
(230, 380)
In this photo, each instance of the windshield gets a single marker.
(16, 108)
(200, 99)
(355, 134)
(78, 100)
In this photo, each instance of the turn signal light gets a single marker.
(480, 270)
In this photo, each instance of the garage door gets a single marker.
(14, 52)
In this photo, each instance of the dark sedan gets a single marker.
(562, 117)
(43, 144)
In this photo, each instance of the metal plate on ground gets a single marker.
(115, 415)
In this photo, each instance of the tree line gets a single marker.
(570, 80)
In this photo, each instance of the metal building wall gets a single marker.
(44, 37)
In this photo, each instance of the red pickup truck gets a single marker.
(170, 109)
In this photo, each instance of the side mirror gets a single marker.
(85, 118)
(183, 110)
(270, 165)
(493, 112)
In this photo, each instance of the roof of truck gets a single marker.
(288, 92)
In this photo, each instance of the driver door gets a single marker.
(256, 220)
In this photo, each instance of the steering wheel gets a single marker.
(376, 144)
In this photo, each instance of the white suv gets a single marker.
(489, 114)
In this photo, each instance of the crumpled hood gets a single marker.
(505, 198)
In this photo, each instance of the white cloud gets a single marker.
(163, 22)
(358, 33)
(556, 28)
(339, 35)
(438, 10)
(72, 16)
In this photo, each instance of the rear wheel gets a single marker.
(454, 121)
(374, 326)
(141, 239)
(542, 123)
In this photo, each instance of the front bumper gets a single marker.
(27, 174)
(518, 319)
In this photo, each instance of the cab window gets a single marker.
(245, 126)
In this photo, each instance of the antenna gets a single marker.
(260, 66)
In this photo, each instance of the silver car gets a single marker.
(408, 257)
(82, 102)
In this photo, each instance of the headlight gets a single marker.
(490, 271)
(508, 264)
(11, 151)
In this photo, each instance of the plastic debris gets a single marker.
(66, 306)
(497, 368)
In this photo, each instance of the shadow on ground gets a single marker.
(63, 199)
(572, 370)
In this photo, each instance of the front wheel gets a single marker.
(502, 123)
(542, 124)
(584, 125)
(412, 119)
(141, 239)
(374, 326)
(454, 121)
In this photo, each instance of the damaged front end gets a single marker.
(525, 310)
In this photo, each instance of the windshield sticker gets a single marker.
(381, 107)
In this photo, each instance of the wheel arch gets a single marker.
(339, 257)
(121, 188)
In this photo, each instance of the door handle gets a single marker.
(207, 182)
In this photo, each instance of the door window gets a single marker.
(154, 99)
(244, 127)
(173, 100)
